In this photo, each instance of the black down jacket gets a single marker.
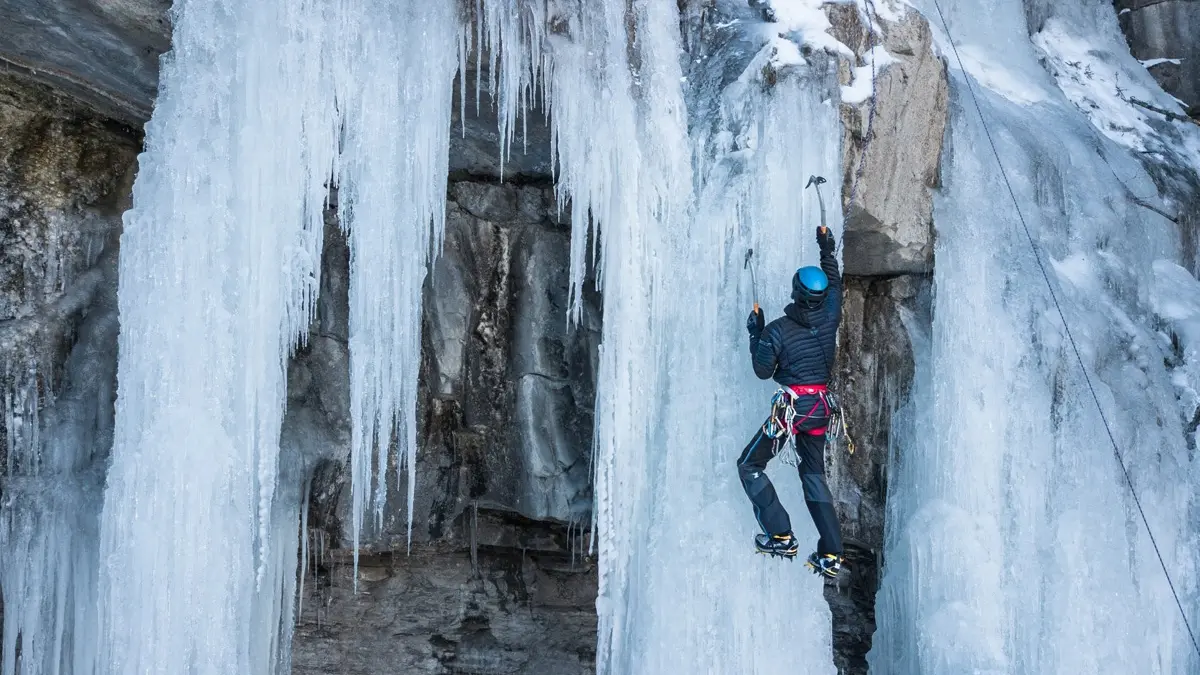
(800, 347)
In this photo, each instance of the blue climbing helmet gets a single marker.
(809, 287)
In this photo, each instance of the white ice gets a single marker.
(263, 106)
(1013, 543)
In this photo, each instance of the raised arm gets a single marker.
(829, 265)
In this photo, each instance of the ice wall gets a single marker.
(1013, 543)
(263, 106)
(673, 163)
(672, 171)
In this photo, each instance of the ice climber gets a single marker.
(798, 351)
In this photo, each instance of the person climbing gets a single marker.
(798, 351)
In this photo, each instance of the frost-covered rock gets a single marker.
(64, 180)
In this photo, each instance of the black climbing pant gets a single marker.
(771, 515)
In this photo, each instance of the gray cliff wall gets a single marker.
(1166, 29)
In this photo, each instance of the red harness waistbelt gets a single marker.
(808, 389)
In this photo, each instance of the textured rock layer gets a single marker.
(1166, 29)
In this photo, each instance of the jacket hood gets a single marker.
(804, 316)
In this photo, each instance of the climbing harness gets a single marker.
(1067, 329)
(838, 428)
(785, 420)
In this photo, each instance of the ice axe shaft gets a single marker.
(749, 263)
(817, 181)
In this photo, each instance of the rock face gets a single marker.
(1166, 29)
(892, 160)
(101, 52)
(494, 610)
(874, 376)
(893, 151)
(496, 582)
(65, 178)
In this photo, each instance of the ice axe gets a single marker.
(749, 262)
(817, 181)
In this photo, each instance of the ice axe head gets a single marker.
(814, 180)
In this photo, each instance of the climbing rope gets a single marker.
(869, 133)
(1067, 328)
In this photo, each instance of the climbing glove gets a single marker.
(825, 240)
(755, 323)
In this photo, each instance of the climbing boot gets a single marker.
(825, 564)
(782, 545)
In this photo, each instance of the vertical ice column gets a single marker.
(1014, 544)
(395, 96)
(218, 270)
(700, 599)
(680, 588)
(263, 106)
(48, 528)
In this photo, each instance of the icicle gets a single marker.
(220, 261)
(392, 175)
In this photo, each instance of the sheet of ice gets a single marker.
(680, 171)
(1013, 543)
(1150, 63)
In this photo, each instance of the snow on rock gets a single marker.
(1150, 63)
(863, 84)
(806, 22)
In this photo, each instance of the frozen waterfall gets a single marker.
(1013, 543)
(262, 107)
(266, 106)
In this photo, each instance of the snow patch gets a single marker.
(863, 84)
(1150, 63)
(805, 22)
(1078, 270)
(892, 11)
(1099, 87)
